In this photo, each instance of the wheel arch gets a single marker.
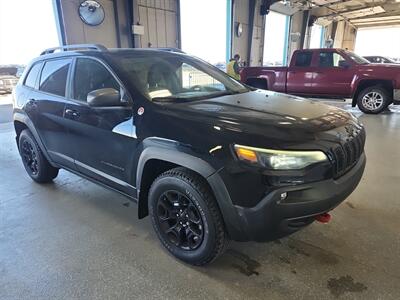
(19, 127)
(156, 160)
(365, 83)
(21, 122)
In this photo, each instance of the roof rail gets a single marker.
(169, 49)
(75, 47)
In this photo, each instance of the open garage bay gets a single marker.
(75, 240)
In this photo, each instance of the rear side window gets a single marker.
(91, 75)
(330, 59)
(303, 59)
(32, 75)
(54, 76)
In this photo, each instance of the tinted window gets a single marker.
(32, 75)
(54, 76)
(91, 75)
(330, 59)
(303, 59)
(172, 77)
(357, 59)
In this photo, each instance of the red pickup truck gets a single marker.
(333, 73)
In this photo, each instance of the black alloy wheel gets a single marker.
(180, 220)
(186, 217)
(29, 157)
(35, 163)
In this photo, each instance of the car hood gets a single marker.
(269, 115)
(381, 66)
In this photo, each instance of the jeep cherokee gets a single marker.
(210, 159)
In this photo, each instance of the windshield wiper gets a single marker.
(193, 98)
(166, 99)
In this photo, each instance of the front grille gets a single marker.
(346, 155)
(10, 81)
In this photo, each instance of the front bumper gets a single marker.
(274, 218)
(6, 90)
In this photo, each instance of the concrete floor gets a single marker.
(75, 240)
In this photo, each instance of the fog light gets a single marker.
(283, 196)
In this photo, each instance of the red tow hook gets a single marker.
(323, 218)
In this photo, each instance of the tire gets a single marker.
(373, 100)
(182, 207)
(36, 165)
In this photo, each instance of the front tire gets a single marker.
(35, 163)
(186, 217)
(373, 100)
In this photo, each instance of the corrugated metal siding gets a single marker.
(159, 18)
(77, 32)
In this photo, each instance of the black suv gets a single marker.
(208, 158)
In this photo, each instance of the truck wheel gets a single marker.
(186, 218)
(36, 165)
(373, 100)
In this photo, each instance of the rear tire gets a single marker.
(373, 100)
(35, 163)
(186, 217)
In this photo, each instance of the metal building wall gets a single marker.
(160, 19)
(342, 33)
(347, 39)
(113, 32)
(295, 32)
(250, 44)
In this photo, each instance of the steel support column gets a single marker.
(252, 11)
(286, 42)
(59, 22)
(229, 29)
(178, 24)
(322, 38)
(304, 27)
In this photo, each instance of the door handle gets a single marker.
(72, 113)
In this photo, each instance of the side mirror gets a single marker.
(344, 64)
(104, 97)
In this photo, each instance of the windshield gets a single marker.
(173, 77)
(357, 59)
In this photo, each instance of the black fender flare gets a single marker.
(23, 118)
(196, 164)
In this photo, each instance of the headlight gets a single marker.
(279, 159)
(1, 82)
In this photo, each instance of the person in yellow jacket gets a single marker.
(232, 68)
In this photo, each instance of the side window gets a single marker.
(303, 59)
(32, 75)
(54, 76)
(330, 59)
(91, 75)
